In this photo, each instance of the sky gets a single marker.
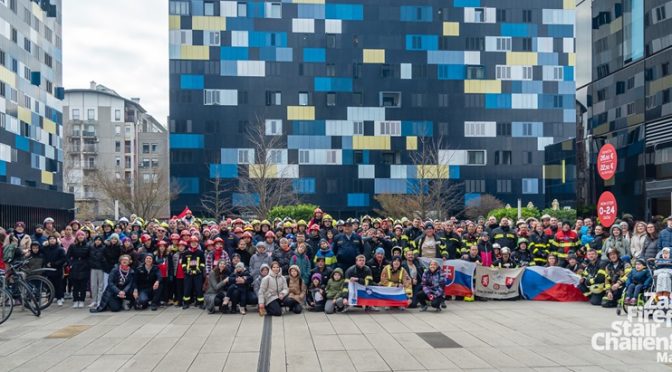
(122, 44)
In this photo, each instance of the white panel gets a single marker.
(553, 73)
(490, 43)
(524, 101)
(228, 8)
(332, 26)
(543, 142)
(273, 127)
(480, 129)
(406, 71)
(5, 153)
(288, 170)
(239, 38)
(49, 152)
(568, 45)
(303, 25)
(398, 171)
(453, 157)
(387, 128)
(366, 171)
(251, 68)
(472, 58)
(558, 16)
(545, 44)
(366, 113)
(490, 15)
(5, 29)
(339, 128)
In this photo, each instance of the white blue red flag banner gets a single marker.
(359, 295)
(550, 284)
(497, 283)
(459, 277)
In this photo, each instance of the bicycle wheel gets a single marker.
(28, 298)
(43, 289)
(6, 305)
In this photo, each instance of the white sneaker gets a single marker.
(92, 304)
(75, 305)
(60, 302)
(80, 304)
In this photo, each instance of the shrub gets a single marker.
(512, 213)
(297, 212)
(561, 214)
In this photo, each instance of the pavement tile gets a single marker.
(367, 360)
(242, 362)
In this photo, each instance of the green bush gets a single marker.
(297, 212)
(561, 214)
(512, 213)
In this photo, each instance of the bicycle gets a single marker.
(42, 287)
(15, 282)
(6, 301)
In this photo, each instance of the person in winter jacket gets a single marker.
(239, 284)
(394, 275)
(616, 278)
(650, 243)
(78, 259)
(665, 236)
(300, 259)
(296, 294)
(593, 278)
(326, 253)
(347, 246)
(376, 264)
(36, 257)
(54, 257)
(112, 252)
(272, 292)
(218, 280)
(283, 256)
(260, 258)
(429, 244)
(506, 261)
(334, 292)
(97, 263)
(415, 271)
(359, 272)
(472, 255)
(193, 265)
(539, 245)
(163, 261)
(616, 241)
(504, 235)
(485, 250)
(322, 269)
(147, 291)
(522, 256)
(119, 288)
(433, 284)
(639, 279)
(663, 273)
(637, 240)
(256, 284)
(315, 296)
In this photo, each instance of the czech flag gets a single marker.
(550, 284)
(459, 277)
(359, 295)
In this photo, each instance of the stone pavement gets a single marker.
(494, 335)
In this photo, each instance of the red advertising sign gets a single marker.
(606, 162)
(607, 209)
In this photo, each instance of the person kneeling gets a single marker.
(297, 290)
(433, 283)
(336, 292)
(120, 285)
(148, 279)
(218, 281)
(272, 291)
(240, 281)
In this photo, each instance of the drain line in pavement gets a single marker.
(264, 364)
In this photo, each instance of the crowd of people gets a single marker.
(285, 265)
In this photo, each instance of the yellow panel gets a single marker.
(199, 52)
(564, 172)
(25, 115)
(571, 59)
(300, 113)
(431, 172)
(567, 146)
(47, 178)
(38, 12)
(7, 76)
(482, 86)
(660, 84)
(263, 171)
(451, 29)
(411, 143)
(553, 172)
(174, 22)
(635, 119)
(374, 55)
(49, 126)
(371, 143)
(569, 4)
(521, 58)
(208, 23)
(616, 26)
(601, 129)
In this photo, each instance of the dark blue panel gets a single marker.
(358, 200)
(451, 72)
(304, 185)
(187, 185)
(348, 12)
(223, 170)
(244, 200)
(22, 143)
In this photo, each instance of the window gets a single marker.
(620, 87)
(474, 186)
(527, 44)
(304, 157)
(503, 72)
(145, 163)
(666, 96)
(528, 73)
(330, 69)
(475, 72)
(47, 60)
(331, 99)
(502, 157)
(275, 10)
(154, 147)
(15, 35)
(211, 38)
(665, 69)
(443, 100)
(273, 127)
(117, 130)
(558, 73)
(127, 146)
(331, 156)
(127, 162)
(504, 129)
(90, 114)
(117, 115)
(242, 9)
(117, 146)
(501, 15)
(208, 9)
(358, 128)
(503, 186)
(27, 46)
(273, 98)
(417, 100)
(631, 83)
(75, 114)
(390, 99)
(475, 43)
(503, 44)
(390, 128)
(386, 71)
(476, 129)
(244, 156)
(530, 186)
(331, 41)
(145, 148)
(357, 70)
(358, 157)
(479, 15)
(660, 13)
(527, 15)
(601, 94)
(128, 130)
(180, 8)
(275, 156)
(527, 157)
(476, 157)
(303, 98)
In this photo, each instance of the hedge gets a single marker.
(297, 212)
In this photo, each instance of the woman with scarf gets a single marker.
(119, 287)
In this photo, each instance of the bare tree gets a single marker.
(217, 201)
(485, 204)
(145, 198)
(431, 194)
(265, 181)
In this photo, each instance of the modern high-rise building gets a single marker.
(31, 123)
(352, 87)
(112, 138)
(624, 88)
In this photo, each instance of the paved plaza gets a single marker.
(494, 335)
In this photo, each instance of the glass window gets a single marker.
(633, 30)
(117, 146)
(117, 130)
(304, 156)
(145, 148)
(154, 147)
(242, 10)
(90, 114)
(117, 115)
(390, 99)
(331, 99)
(75, 114)
(476, 157)
(209, 9)
(303, 98)
(479, 15)
(475, 72)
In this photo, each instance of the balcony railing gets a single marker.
(87, 148)
(86, 133)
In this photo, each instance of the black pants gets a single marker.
(423, 298)
(193, 288)
(178, 290)
(57, 280)
(293, 305)
(274, 308)
(110, 301)
(237, 295)
(78, 289)
(146, 295)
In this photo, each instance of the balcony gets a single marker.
(86, 148)
(89, 166)
(88, 134)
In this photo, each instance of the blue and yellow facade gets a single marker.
(354, 87)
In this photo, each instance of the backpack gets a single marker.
(8, 252)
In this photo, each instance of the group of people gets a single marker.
(290, 266)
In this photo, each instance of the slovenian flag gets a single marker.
(359, 295)
(459, 277)
(550, 284)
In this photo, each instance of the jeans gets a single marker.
(274, 308)
(634, 290)
(147, 294)
(331, 305)
(238, 295)
(98, 284)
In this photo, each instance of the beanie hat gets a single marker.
(240, 265)
(380, 250)
(317, 276)
(113, 236)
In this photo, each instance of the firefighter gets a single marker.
(593, 278)
(504, 234)
(193, 264)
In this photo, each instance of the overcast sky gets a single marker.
(122, 44)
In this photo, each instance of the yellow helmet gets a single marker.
(255, 222)
(165, 225)
(108, 223)
(287, 224)
(327, 217)
(301, 223)
(266, 222)
(248, 228)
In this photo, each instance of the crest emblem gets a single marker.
(485, 280)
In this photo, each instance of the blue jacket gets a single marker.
(346, 249)
(665, 238)
(639, 277)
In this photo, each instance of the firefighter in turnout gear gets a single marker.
(565, 241)
(193, 265)
(504, 234)
(469, 238)
(539, 246)
(593, 278)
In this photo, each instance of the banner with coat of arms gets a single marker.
(497, 283)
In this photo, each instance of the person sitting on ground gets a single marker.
(593, 278)
(315, 297)
(336, 292)
(218, 281)
(120, 285)
(433, 284)
(240, 281)
(376, 264)
(551, 260)
(639, 279)
(148, 283)
(616, 278)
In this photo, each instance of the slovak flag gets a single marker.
(550, 284)
(359, 295)
(459, 277)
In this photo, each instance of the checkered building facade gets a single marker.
(353, 86)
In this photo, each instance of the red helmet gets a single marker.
(238, 221)
(194, 239)
(162, 242)
(145, 238)
(174, 237)
(238, 230)
(317, 210)
(182, 242)
(218, 240)
(314, 228)
(247, 234)
(209, 243)
(270, 234)
(184, 232)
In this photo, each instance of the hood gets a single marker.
(295, 267)
(615, 226)
(337, 270)
(265, 266)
